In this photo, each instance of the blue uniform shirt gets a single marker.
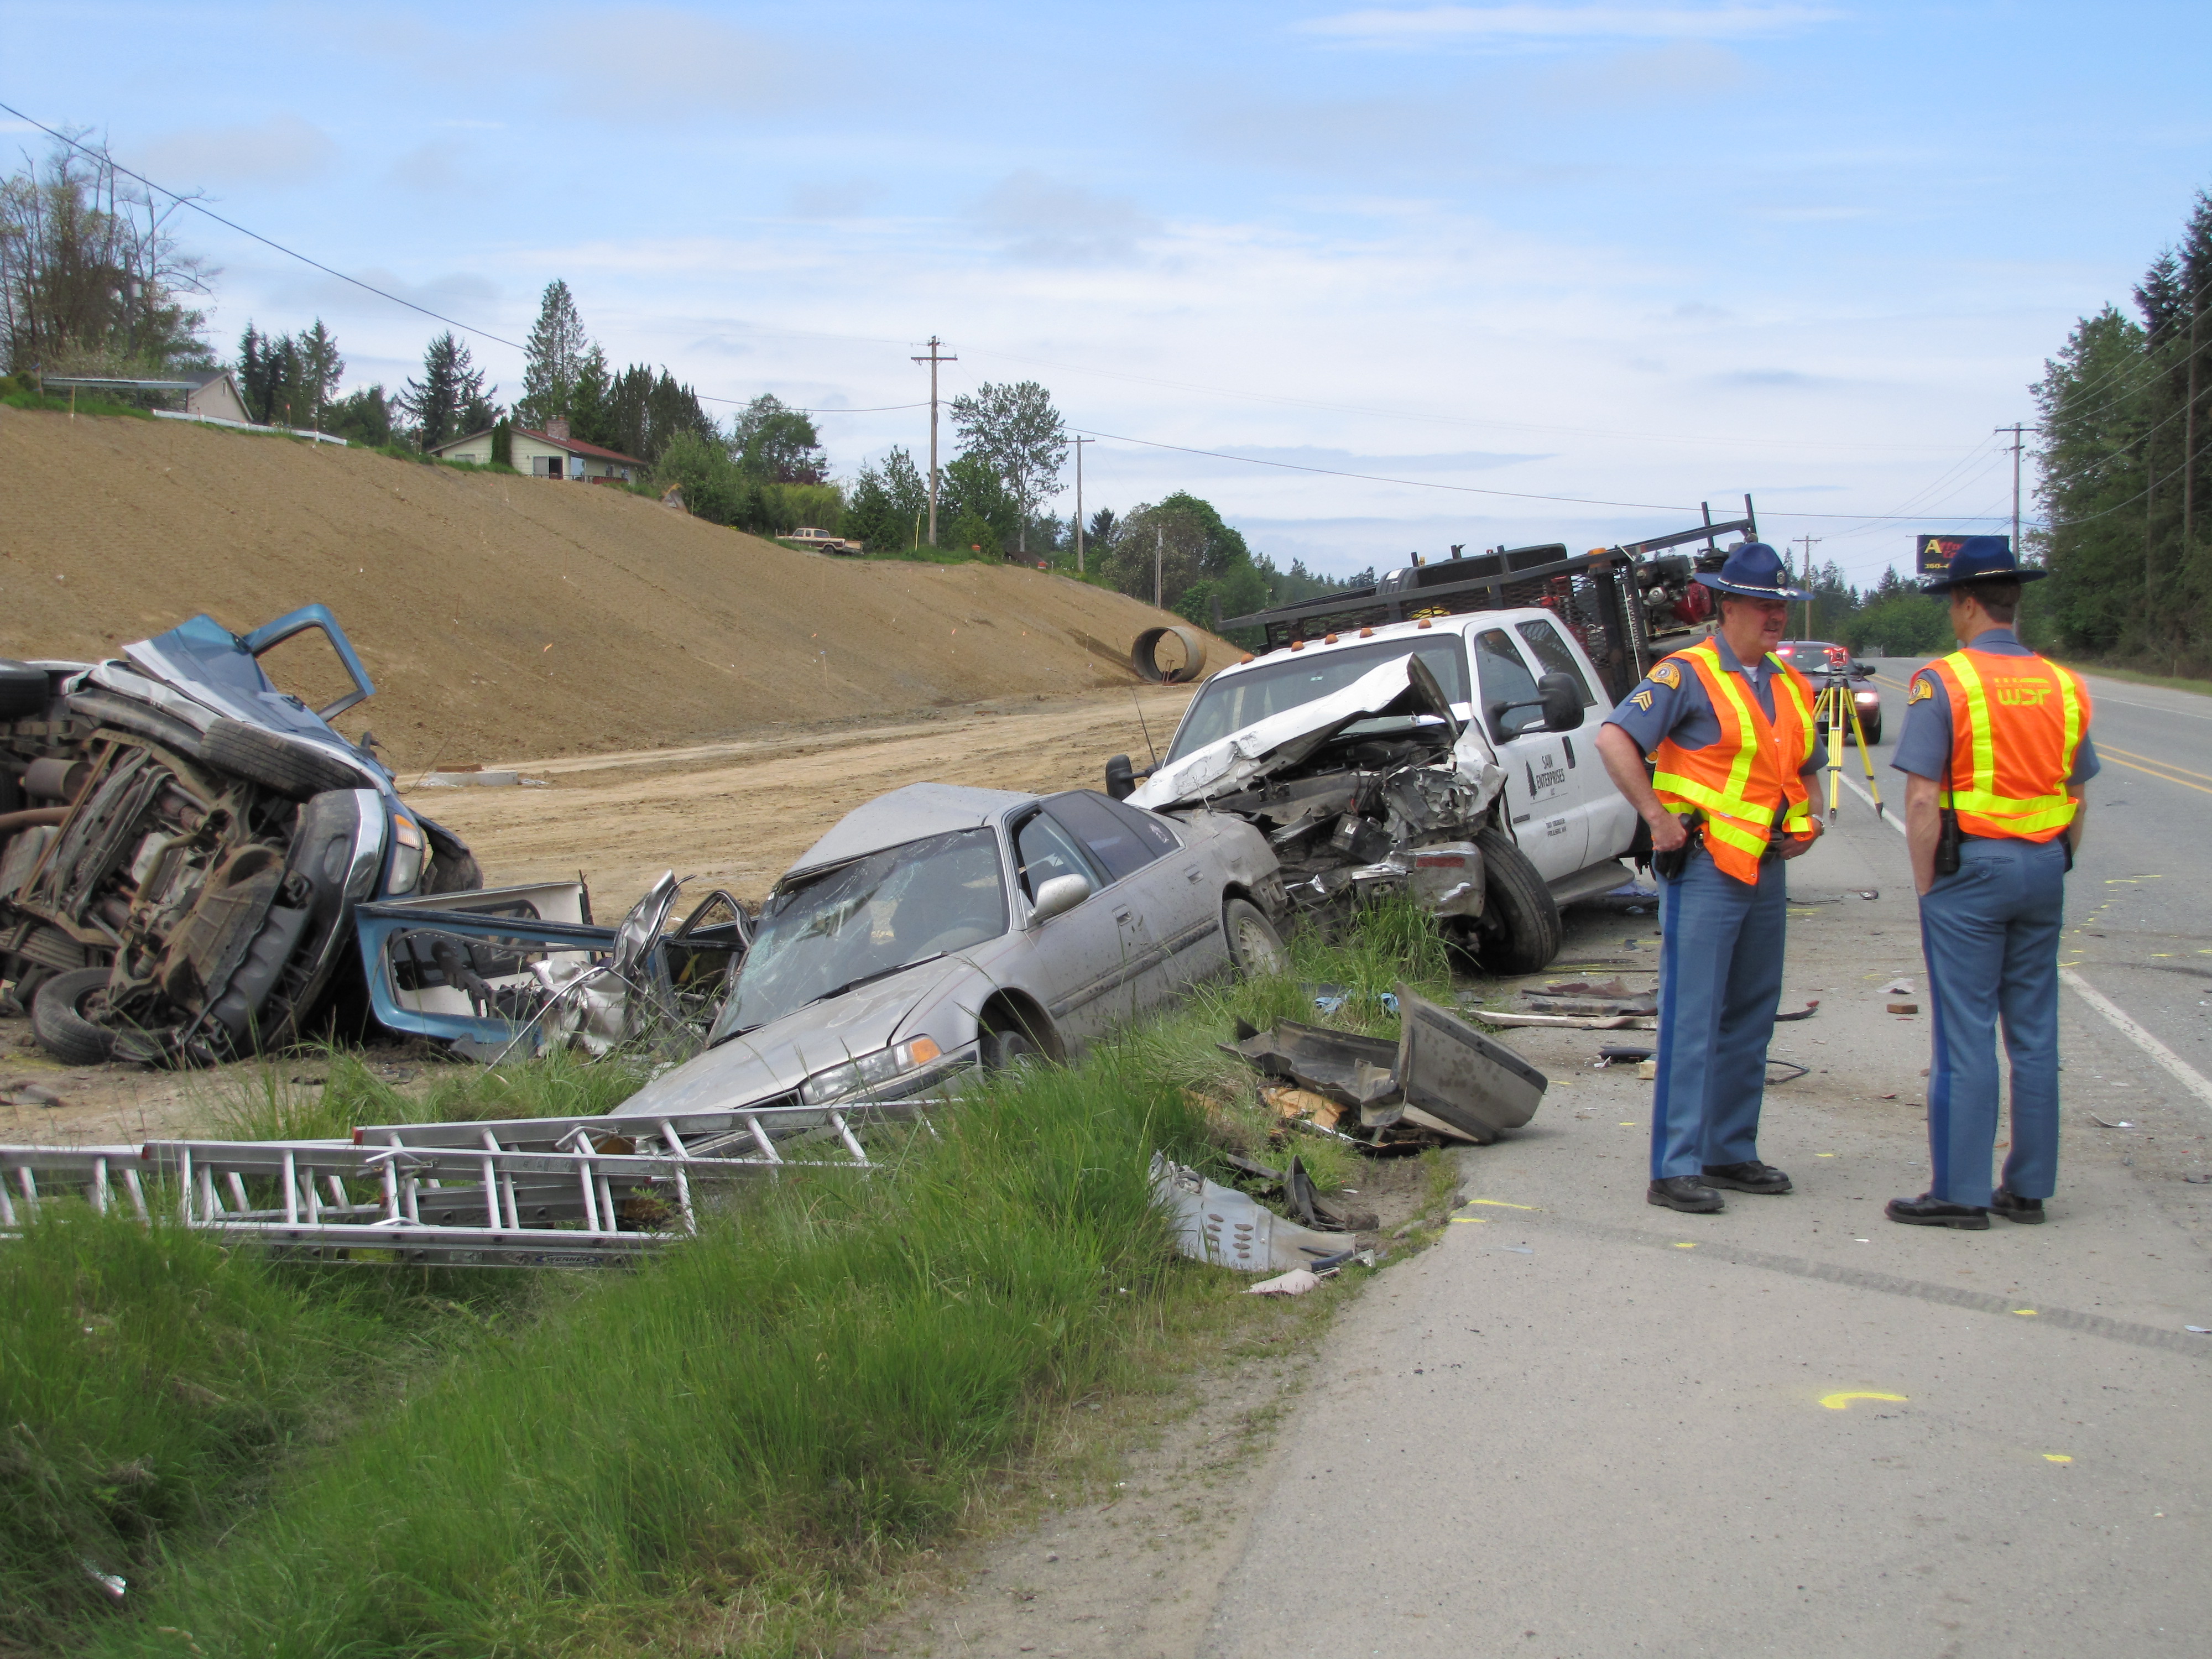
(1682, 710)
(1924, 750)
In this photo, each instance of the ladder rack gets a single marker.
(525, 1192)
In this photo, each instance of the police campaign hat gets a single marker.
(1982, 559)
(1753, 571)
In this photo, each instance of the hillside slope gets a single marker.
(504, 616)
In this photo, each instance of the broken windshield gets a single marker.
(1232, 702)
(829, 932)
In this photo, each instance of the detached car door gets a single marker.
(1540, 791)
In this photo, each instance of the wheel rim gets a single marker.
(1261, 954)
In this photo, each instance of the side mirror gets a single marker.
(1561, 700)
(1057, 896)
(1121, 783)
(1866, 668)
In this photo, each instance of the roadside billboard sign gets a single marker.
(1932, 554)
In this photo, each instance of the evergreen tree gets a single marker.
(320, 368)
(553, 360)
(449, 401)
(887, 502)
(642, 415)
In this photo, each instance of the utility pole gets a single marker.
(1808, 541)
(2018, 444)
(934, 358)
(1079, 442)
(1159, 554)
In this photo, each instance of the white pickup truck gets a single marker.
(1468, 775)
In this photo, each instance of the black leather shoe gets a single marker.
(2028, 1211)
(1688, 1192)
(1751, 1178)
(1928, 1211)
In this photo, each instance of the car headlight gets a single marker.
(410, 852)
(1870, 696)
(867, 1070)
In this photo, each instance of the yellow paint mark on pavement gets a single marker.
(1686, 1246)
(1500, 1204)
(1470, 1221)
(1836, 1402)
(1625, 1124)
(1824, 1154)
(2025, 1313)
(2057, 1457)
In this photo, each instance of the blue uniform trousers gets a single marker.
(1990, 935)
(1720, 978)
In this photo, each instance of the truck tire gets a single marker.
(23, 690)
(1519, 932)
(287, 765)
(1254, 946)
(57, 1018)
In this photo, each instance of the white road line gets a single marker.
(2183, 1072)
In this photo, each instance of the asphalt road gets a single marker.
(1582, 1425)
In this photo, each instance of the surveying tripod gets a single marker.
(1831, 710)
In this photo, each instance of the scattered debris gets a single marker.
(1648, 1070)
(1230, 1229)
(1871, 893)
(1806, 1012)
(1904, 1007)
(1902, 987)
(23, 1092)
(2198, 1180)
(1567, 1022)
(1297, 1282)
(1441, 1080)
(2198, 1330)
(1612, 1056)
(1304, 1203)
(1333, 999)
(2102, 1124)
(1791, 1069)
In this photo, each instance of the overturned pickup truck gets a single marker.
(1433, 757)
(183, 846)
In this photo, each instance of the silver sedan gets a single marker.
(940, 928)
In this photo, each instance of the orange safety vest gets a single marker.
(2015, 724)
(1736, 781)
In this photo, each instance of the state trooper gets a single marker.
(1729, 730)
(1995, 752)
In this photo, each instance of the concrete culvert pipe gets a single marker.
(1184, 660)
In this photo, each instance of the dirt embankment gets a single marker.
(503, 616)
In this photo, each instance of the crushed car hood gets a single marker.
(777, 1057)
(1282, 741)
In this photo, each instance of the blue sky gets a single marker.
(1646, 254)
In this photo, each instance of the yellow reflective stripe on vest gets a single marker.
(1753, 842)
(1712, 799)
(2035, 812)
(1747, 737)
(1800, 815)
(2069, 692)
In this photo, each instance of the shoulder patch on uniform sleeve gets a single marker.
(1924, 687)
(1666, 674)
(1643, 699)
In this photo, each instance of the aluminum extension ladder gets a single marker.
(527, 1191)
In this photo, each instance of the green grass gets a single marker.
(149, 1382)
(87, 403)
(325, 1094)
(752, 1427)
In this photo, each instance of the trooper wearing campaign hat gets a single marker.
(1995, 752)
(1726, 728)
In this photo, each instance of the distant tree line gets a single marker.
(2124, 483)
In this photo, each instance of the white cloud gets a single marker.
(1055, 221)
(1424, 26)
(284, 149)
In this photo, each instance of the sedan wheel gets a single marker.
(1254, 946)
